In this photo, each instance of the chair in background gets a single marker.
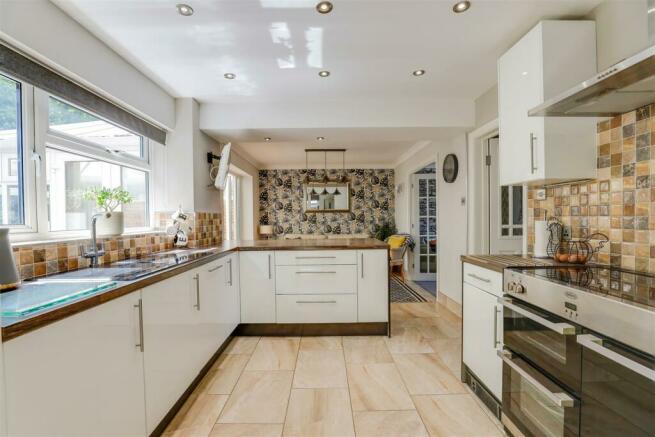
(398, 245)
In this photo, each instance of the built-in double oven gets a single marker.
(560, 379)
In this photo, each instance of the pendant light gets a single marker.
(325, 177)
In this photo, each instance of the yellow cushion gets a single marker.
(396, 241)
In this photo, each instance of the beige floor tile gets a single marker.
(259, 397)
(450, 352)
(437, 327)
(227, 371)
(319, 412)
(454, 415)
(363, 350)
(377, 387)
(389, 424)
(426, 374)
(242, 345)
(247, 430)
(408, 341)
(197, 416)
(275, 353)
(320, 343)
(418, 309)
(320, 369)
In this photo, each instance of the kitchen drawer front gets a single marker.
(485, 279)
(315, 257)
(316, 279)
(311, 308)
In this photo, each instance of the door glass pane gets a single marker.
(517, 205)
(433, 264)
(504, 232)
(69, 120)
(423, 226)
(424, 264)
(433, 226)
(433, 245)
(504, 205)
(433, 206)
(433, 187)
(422, 188)
(517, 232)
(422, 207)
(11, 177)
(424, 245)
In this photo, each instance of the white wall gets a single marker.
(451, 213)
(486, 107)
(43, 31)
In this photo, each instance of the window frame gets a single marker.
(511, 226)
(237, 209)
(40, 137)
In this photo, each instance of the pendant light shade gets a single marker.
(337, 192)
(313, 192)
(324, 192)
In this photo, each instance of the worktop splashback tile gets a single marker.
(50, 258)
(620, 203)
(281, 202)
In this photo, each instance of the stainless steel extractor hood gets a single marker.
(621, 88)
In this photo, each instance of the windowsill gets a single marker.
(28, 239)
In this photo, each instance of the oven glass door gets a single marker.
(536, 405)
(546, 341)
(618, 389)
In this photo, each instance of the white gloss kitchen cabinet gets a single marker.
(483, 326)
(80, 376)
(257, 278)
(373, 286)
(549, 59)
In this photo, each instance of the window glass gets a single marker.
(230, 210)
(12, 210)
(70, 175)
(69, 120)
(517, 205)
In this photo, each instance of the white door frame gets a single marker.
(414, 273)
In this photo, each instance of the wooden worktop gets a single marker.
(499, 263)
(16, 327)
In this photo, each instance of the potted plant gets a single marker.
(107, 200)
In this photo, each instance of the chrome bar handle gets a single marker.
(140, 307)
(595, 344)
(496, 311)
(561, 399)
(533, 167)
(215, 268)
(362, 257)
(316, 301)
(197, 279)
(560, 328)
(229, 261)
(315, 257)
(269, 267)
(316, 272)
(479, 278)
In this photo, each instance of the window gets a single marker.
(230, 208)
(12, 205)
(511, 211)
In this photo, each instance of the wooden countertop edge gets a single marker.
(488, 264)
(30, 324)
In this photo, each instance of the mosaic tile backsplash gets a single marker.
(281, 202)
(620, 202)
(51, 258)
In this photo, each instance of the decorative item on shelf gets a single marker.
(555, 232)
(266, 231)
(579, 250)
(107, 200)
(180, 229)
(9, 278)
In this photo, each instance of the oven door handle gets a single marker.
(561, 399)
(560, 328)
(595, 344)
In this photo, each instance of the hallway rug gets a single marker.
(429, 286)
(403, 293)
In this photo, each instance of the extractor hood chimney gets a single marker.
(621, 88)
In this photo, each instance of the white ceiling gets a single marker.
(277, 47)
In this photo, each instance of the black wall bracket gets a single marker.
(211, 157)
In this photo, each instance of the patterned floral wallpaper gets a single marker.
(281, 202)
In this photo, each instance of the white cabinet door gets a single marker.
(173, 354)
(257, 277)
(230, 311)
(212, 289)
(82, 376)
(372, 286)
(482, 334)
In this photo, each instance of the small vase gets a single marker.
(9, 278)
(112, 226)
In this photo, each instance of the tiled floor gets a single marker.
(406, 385)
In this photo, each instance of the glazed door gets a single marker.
(424, 227)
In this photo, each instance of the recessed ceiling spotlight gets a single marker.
(320, 138)
(418, 72)
(230, 76)
(267, 139)
(324, 73)
(462, 6)
(324, 7)
(185, 10)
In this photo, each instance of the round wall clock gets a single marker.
(450, 168)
